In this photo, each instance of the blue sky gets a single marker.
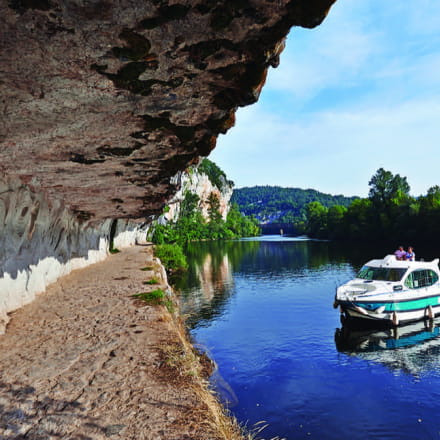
(359, 92)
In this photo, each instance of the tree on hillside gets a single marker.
(240, 225)
(214, 208)
(358, 220)
(274, 204)
(191, 224)
(189, 204)
(432, 199)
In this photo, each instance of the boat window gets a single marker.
(421, 278)
(381, 273)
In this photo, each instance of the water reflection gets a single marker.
(208, 284)
(412, 348)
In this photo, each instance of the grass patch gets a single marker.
(146, 268)
(152, 281)
(156, 298)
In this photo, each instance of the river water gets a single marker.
(262, 309)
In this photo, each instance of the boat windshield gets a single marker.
(381, 273)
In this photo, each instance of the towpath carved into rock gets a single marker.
(83, 361)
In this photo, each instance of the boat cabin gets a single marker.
(413, 274)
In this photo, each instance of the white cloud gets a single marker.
(324, 57)
(334, 151)
(420, 72)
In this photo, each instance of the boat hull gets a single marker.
(394, 312)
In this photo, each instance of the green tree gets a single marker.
(214, 208)
(240, 225)
(192, 226)
(358, 220)
(386, 189)
(189, 204)
(431, 201)
(336, 221)
(216, 175)
(172, 256)
(429, 214)
(316, 220)
(275, 204)
(388, 193)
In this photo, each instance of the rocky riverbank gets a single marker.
(86, 360)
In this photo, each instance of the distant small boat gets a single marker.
(391, 291)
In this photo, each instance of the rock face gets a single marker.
(200, 184)
(103, 101)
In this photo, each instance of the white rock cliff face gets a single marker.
(41, 241)
(197, 183)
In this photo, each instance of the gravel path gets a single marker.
(83, 361)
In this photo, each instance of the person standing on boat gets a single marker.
(410, 255)
(400, 254)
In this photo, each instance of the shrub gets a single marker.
(172, 257)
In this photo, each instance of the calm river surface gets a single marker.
(262, 309)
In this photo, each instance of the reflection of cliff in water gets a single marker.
(412, 348)
(209, 282)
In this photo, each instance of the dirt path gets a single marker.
(86, 361)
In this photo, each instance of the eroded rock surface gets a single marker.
(103, 101)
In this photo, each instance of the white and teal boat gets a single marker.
(392, 291)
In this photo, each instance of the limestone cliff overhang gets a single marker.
(103, 101)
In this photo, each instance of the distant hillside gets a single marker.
(274, 204)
